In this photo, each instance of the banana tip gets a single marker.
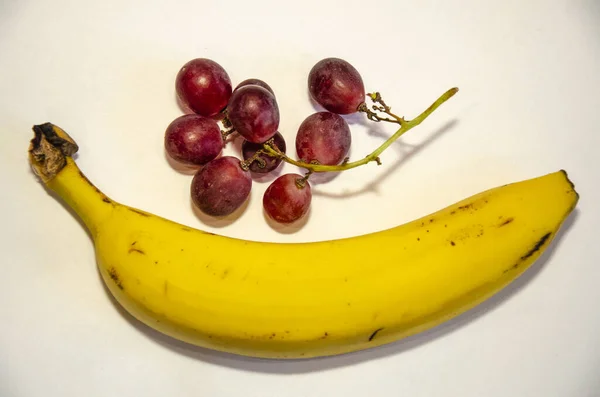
(571, 184)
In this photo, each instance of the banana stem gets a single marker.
(50, 157)
(405, 126)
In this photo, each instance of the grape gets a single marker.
(324, 137)
(253, 112)
(284, 201)
(257, 82)
(221, 186)
(250, 148)
(336, 85)
(193, 139)
(203, 86)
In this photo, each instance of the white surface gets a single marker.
(529, 77)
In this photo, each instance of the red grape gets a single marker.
(250, 148)
(257, 82)
(324, 137)
(253, 112)
(336, 85)
(285, 201)
(203, 86)
(193, 139)
(221, 186)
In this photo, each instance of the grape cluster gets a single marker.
(215, 110)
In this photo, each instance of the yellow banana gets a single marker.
(300, 300)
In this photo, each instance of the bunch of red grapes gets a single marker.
(223, 183)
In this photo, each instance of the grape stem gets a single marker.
(256, 157)
(301, 182)
(405, 126)
(226, 133)
(382, 107)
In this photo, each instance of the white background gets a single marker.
(529, 79)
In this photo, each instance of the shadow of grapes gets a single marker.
(408, 151)
(268, 177)
(289, 228)
(219, 221)
(180, 167)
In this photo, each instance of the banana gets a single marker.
(301, 300)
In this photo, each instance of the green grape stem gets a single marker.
(405, 126)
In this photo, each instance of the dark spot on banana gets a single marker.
(513, 267)
(532, 251)
(85, 178)
(445, 225)
(418, 239)
(166, 288)
(186, 229)
(537, 246)
(156, 262)
(374, 334)
(453, 212)
(465, 207)
(325, 335)
(506, 222)
(139, 212)
(115, 277)
(431, 220)
(139, 251)
(427, 230)
(104, 198)
(134, 243)
(452, 243)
